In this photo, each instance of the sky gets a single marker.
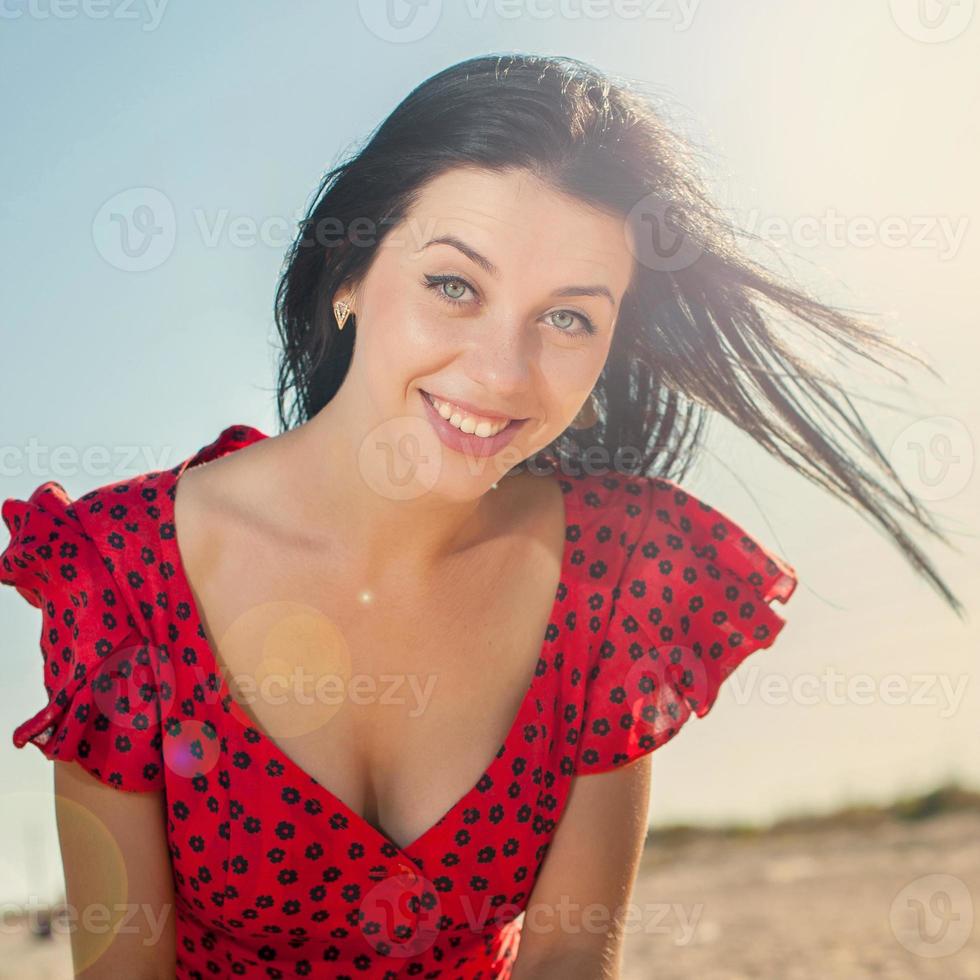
(846, 135)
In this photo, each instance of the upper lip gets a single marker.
(473, 409)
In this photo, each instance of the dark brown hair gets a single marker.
(696, 331)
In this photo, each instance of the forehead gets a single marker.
(522, 224)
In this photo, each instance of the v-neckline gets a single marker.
(196, 623)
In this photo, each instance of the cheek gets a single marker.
(422, 328)
(568, 375)
(396, 312)
(404, 311)
(406, 340)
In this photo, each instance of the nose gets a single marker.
(501, 363)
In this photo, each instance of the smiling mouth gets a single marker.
(467, 421)
(467, 424)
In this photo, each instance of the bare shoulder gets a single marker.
(221, 496)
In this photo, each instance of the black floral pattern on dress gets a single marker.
(660, 598)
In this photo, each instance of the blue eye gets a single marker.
(436, 283)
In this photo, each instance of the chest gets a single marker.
(395, 695)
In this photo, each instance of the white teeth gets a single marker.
(470, 424)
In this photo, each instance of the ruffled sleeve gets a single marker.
(102, 707)
(691, 604)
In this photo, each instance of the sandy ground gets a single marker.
(892, 901)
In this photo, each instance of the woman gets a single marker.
(319, 668)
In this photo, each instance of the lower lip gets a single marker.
(468, 443)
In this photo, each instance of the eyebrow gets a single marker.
(484, 263)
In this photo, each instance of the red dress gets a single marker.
(660, 598)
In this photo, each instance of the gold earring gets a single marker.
(587, 415)
(342, 310)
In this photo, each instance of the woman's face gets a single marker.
(514, 320)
